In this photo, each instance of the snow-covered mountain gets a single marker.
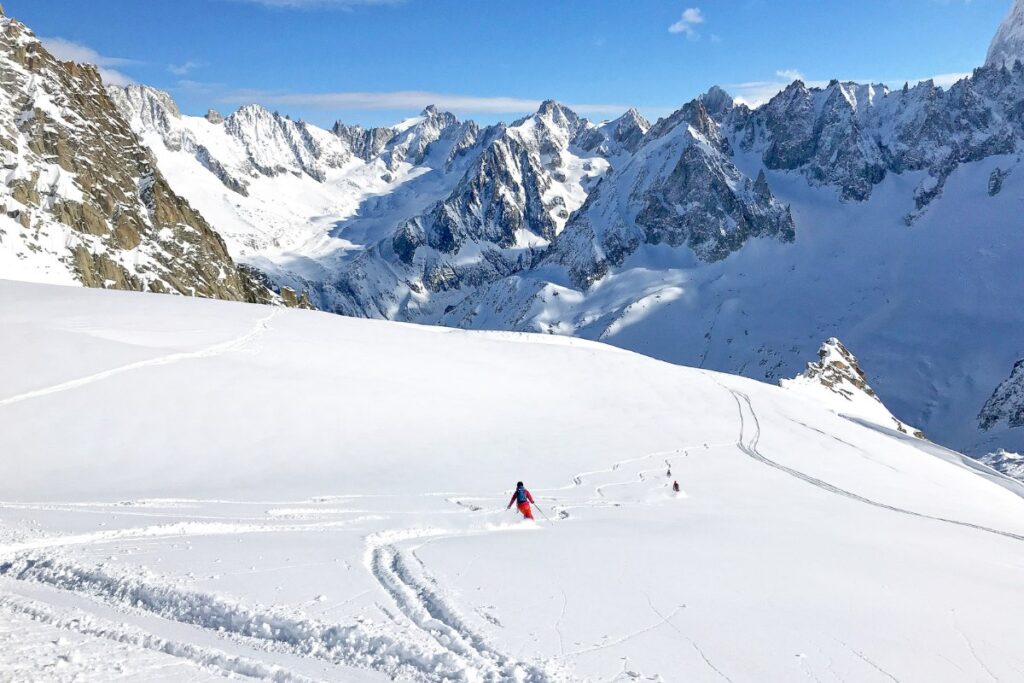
(1003, 413)
(291, 496)
(514, 199)
(836, 380)
(82, 201)
(720, 236)
(1010, 464)
(1008, 44)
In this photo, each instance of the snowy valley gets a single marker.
(719, 237)
(762, 370)
(293, 496)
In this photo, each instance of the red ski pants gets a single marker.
(524, 508)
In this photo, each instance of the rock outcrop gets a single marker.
(1008, 44)
(1006, 405)
(1005, 462)
(837, 381)
(82, 199)
(683, 190)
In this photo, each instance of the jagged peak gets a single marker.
(135, 96)
(717, 102)
(1006, 405)
(838, 369)
(430, 110)
(214, 116)
(837, 378)
(633, 117)
(253, 113)
(557, 110)
(1008, 42)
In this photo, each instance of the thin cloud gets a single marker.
(688, 23)
(403, 100)
(184, 69)
(70, 51)
(198, 87)
(790, 74)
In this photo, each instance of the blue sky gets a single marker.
(377, 61)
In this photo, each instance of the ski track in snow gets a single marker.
(430, 639)
(261, 326)
(748, 445)
(83, 623)
(356, 645)
(415, 594)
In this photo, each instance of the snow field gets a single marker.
(218, 489)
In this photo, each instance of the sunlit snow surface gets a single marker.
(197, 488)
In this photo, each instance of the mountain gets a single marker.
(83, 201)
(293, 496)
(837, 380)
(297, 201)
(1003, 412)
(683, 191)
(1005, 462)
(721, 236)
(1008, 44)
(524, 182)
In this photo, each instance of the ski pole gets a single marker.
(542, 512)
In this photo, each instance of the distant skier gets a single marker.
(522, 499)
(675, 487)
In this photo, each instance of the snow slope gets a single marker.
(1008, 44)
(903, 298)
(290, 496)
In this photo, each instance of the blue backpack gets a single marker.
(521, 494)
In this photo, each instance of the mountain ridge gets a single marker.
(719, 236)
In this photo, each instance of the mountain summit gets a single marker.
(1008, 44)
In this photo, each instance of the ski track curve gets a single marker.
(78, 621)
(749, 446)
(261, 326)
(404, 578)
(358, 645)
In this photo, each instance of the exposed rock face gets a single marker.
(838, 381)
(838, 371)
(622, 135)
(512, 201)
(1010, 464)
(81, 195)
(682, 190)
(1008, 44)
(850, 136)
(260, 142)
(275, 144)
(1006, 405)
(364, 143)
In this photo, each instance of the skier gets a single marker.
(675, 487)
(522, 498)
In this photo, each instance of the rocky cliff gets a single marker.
(81, 199)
